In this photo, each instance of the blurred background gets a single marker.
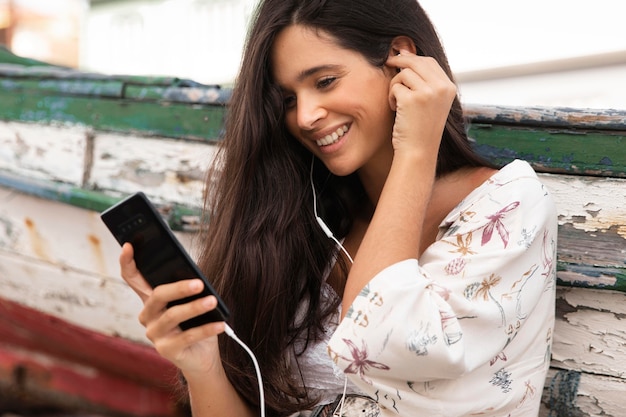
(569, 53)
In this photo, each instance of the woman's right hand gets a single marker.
(421, 94)
(194, 350)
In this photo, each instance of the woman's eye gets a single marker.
(289, 102)
(325, 82)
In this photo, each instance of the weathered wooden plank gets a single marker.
(595, 259)
(592, 396)
(548, 117)
(62, 260)
(592, 230)
(101, 304)
(588, 372)
(172, 171)
(64, 82)
(553, 140)
(43, 152)
(590, 331)
(69, 163)
(163, 118)
(551, 150)
(182, 91)
(54, 191)
(62, 365)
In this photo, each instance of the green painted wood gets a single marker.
(556, 140)
(70, 82)
(554, 150)
(66, 87)
(177, 120)
(164, 106)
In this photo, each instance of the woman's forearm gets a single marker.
(395, 230)
(214, 396)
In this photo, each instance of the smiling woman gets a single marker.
(73, 143)
(434, 294)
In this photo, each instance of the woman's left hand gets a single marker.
(421, 94)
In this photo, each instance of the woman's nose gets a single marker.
(310, 111)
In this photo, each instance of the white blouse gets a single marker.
(466, 330)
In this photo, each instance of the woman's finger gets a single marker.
(131, 274)
(425, 67)
(156, 306)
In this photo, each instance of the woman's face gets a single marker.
(336, 101)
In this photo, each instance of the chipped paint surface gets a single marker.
(590, 332)
(598, 395)
(589, 203)
(48, 152)
(589, 339)
(167, 170)
(63, 261)
(171, 170)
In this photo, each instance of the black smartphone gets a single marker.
(158, 254)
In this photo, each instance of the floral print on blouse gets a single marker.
(466, 330)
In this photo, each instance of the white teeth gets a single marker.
(334, 137)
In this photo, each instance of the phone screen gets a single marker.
(158, 254)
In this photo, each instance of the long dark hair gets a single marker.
(262, 248)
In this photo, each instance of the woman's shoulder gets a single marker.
(515, 178)
(516, 184)
(515, 170)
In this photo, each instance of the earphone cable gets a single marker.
(319, 220)
(231, 333)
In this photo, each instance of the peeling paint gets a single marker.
(591, 204)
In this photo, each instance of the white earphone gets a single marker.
(319, 220)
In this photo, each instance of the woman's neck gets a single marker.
(375, 173)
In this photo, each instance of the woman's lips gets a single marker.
(333, 137)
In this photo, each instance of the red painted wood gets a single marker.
(65, 383)
(43, 354)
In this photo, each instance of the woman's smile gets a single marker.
(334, 137)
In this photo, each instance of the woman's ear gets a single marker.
(400, 43)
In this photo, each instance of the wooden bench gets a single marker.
(71, 144)
(581, 157)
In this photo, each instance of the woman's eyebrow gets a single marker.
(311, 71)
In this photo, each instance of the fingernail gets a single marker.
(196, 284)
(208, 301)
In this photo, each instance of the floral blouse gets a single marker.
(466, 330)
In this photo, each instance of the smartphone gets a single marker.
(158, 254)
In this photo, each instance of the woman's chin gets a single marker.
(340, 170)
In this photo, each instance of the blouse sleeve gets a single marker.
(464, 301)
